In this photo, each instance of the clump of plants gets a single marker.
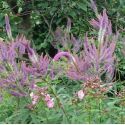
(76, 86)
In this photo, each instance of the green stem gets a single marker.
(46, 118)
(60, 105)
(122, 118)
(89, 112)
(100, 111)
(18, 102)
(58, 102)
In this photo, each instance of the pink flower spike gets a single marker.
(81, 94)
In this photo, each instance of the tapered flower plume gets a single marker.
(65, 54)
(32, 55)
(79, 71)
(93, 6)
(93, 62)
(39, 63)
(16, 75)
(78, 68)
(24, 46)
(103, 60)
(44, 62)
(66, 39)
(21, 68)
(20, 44)
(103, 24)
(102, 56)
(8, 28)
(7, 52)
(60, 68)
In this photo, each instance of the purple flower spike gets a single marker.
(3, 51)
(32, 56)
(93, 6)
(17, 94)
(31, 53)
(65, 38)
(43, 64)
(8, 28)
(103, 24)
(66, 54)
(20, 43)
(12, 53)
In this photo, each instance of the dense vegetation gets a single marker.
(62, 61)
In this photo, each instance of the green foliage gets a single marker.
(45, 17)
(120, 60)
(71, 110)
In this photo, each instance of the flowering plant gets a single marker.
(78, 81)
(19, 74)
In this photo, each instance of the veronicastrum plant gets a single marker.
(27, 77)
(96, 60)
(25, 74)
(95, 66)
(19, 75)
(97, 57)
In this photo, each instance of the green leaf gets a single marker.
(82, 6)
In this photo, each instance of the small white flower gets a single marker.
(80, 94)
(31, 94)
